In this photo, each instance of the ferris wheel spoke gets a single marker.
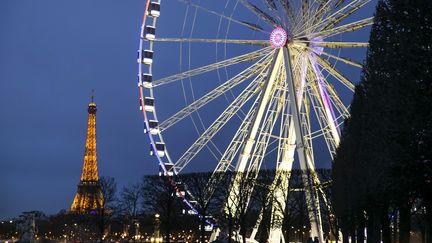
(339, 44)
(226, 41)
(325, 101)
(197, 104)
(344, 28)
(320, 11)
(204, 69)
(305, 14)
(225, 163)
(260, 13)
(270, 4)
(335, 99)
(318, 107)
(271, 116)
(348, 10)
(305, 9)
(244, 23)
(336, 17)
(335, 73)
(250, 91)
(339, 3)
(307, 24)
(288, 10)
(342, 59)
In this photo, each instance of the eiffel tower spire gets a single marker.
(89, 195)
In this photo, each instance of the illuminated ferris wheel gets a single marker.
(277, 89)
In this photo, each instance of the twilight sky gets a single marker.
(54, 52)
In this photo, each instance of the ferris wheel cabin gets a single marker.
(160, 149)
(181, 189)
(146, 57)
(149, 104)
(147, 80)
(153, 127)
(150, 32)
(189, 211)
(169, 172)
(154, 9)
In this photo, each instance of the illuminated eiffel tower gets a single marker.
(89, 197)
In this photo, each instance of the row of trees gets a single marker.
(382, 173)
(254, 197)
(129, 214)
(155, 195)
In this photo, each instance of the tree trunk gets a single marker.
(345, 235)
(167, 236)
(396, 227)
(353, 236)
(243, 228)
(230, 228)
(373, 229)
(203, 229)
(102, 223)
(428, 221)
(404, 223)
(385, 225)
(360, 230)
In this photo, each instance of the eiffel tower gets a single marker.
(89, 197)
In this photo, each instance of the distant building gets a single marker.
(89, 197)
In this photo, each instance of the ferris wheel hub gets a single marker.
(278, 38)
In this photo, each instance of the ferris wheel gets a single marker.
(266, 79)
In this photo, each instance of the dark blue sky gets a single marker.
(52, 54)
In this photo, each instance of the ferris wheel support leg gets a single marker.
(257, 224)
(214, 234)
(280, 186)
(246, 153)
(307, 167)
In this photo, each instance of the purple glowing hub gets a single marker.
(278, 38)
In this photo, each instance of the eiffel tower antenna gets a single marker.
(92, 96)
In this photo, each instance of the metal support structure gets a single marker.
(247, 149)
(307, 167)
(285, 161)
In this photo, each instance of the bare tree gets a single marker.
(263, 197)
(236, 189)
(109, 188)
(130, 202)
(159, 197)
(204, 195)
(130, 199)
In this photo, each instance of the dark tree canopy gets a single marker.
(383, 164)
